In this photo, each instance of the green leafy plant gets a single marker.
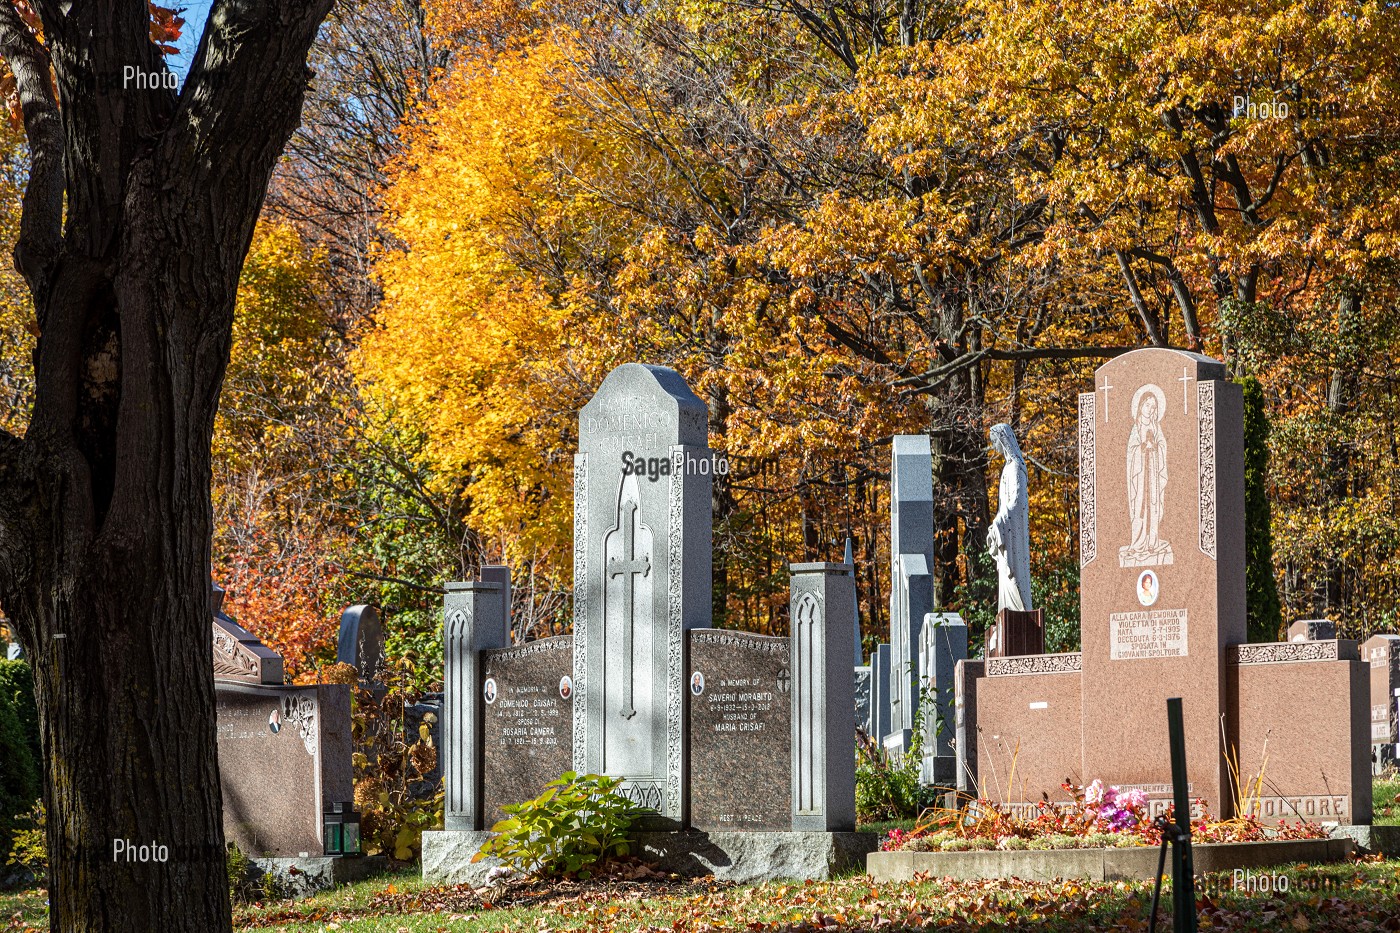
(575, 822)
(29, 848)
(392, 764)
(892, 790)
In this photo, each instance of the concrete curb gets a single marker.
(1137, 863)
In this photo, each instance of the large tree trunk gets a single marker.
(105, 517)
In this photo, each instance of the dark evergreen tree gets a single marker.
(1261, 591)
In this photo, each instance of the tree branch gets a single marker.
(41, 222)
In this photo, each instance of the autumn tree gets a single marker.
(139, 208)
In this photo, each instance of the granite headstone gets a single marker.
(528, 723)
(642, 561)
(740, 724)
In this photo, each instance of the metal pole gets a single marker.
(1183, 872)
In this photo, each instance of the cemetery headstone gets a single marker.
(850, 560)
(966, 675)
(284, 759)
(1017, 633)
(1162, 608)
(911, 576)
(745, 740)
(942, 644)
(1162, 581)
(361, 642)
(1381, 653)
(642, 561)
(740, 688)
(472, 624)
(823, 717)
(527, 722)
(881, 680)
(240, 656)
(1312, 630)
(862, 688)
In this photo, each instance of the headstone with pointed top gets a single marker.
(642, 559)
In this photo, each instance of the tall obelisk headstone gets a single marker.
(1162, 587)
(642, 553)
(911, 575)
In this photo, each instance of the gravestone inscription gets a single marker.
(740, 688)
(527, 720)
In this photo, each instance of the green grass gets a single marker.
(1343, 897)
(24, 908)
(885, 826)
(1386, 809)
(1338, 898)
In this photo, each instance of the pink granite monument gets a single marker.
(1162, 614)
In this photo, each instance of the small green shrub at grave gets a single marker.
(29, 847)
(18, 769)
(892, 791)
(577, 822)
(1096, 816)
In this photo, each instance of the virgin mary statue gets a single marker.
(1009, 538)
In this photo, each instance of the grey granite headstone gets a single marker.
(880, 693)
(862, 688)
(361, 643)
(1312, 630)
(740, 725)
(472, 623)
(942, 644)
(642, 561)
(528, 720)
(850, 559)
(965, 676)
(911, 577)
(500, 573)
(823, 705)
(915, 601)
(284, 756)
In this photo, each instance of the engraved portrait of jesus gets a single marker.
(1147, 482)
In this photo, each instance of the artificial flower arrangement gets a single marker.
(1095, 816)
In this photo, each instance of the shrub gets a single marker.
(893, 790)
(390, 762)
(576, 822)
(29, 847)
(19, 775)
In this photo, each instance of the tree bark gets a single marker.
(105, 517)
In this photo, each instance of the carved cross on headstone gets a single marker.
(1104, 389)
(628, 567)
(784, 679)
(1185, 380)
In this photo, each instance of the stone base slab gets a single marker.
(1371, 840)
(1136, 863)
(303, 877)
(744, 858)
(447, 857)
(748, 858)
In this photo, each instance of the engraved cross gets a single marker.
(1104, 389)
(630, 567)
(1185, 379)
(783, 679)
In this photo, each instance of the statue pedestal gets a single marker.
(1017, 633)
